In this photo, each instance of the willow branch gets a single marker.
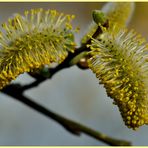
(16, 92)
(71, 126)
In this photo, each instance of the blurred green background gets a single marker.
(72, 92)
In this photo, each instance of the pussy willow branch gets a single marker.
(16, 91)
(71, 126)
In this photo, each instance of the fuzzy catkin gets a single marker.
(115, 12)
(119, 61)
(120, 12)
(28, 42)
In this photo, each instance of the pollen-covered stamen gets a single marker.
(119, 60)
(33, 40)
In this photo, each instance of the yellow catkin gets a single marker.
(39, 37)
(119, 61)
(119, 13)
(116, 12)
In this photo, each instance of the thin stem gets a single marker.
(66, 62)
(71, 126)
(34, 84)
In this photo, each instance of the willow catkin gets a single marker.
(119, 61)
(115, 12)
(39, 37)
(119, 13)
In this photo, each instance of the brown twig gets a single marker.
(71, 126)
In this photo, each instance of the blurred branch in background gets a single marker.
(73, 127)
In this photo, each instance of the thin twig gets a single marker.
(71, 126)
(32, 85)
